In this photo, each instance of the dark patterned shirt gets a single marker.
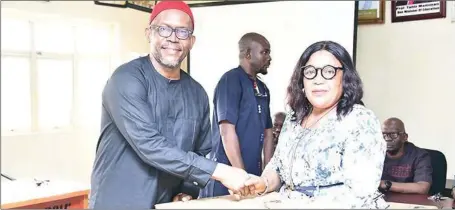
(413, 166)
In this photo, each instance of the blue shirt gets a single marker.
(237, 102)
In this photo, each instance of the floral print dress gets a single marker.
(339, 164)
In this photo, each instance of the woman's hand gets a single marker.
(256, 185)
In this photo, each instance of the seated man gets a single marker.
(407, 168)
(277, 125)
(278, 120)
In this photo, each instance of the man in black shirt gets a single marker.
(407, 168)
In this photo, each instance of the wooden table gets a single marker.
(418, 199)
(52, 195)
(396, 201)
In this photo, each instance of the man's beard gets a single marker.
(393, 152)
(262, 71)
(168, 63)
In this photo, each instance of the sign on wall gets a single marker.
(417, 10)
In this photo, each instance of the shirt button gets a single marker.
(195, 183)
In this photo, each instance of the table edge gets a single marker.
(45, 199)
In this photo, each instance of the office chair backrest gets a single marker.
(439, 164)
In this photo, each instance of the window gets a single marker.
(55, 93)
(15, 90)
(93, 40)
(54, 37)
(17, 36)
(92, 76)
(53, 73)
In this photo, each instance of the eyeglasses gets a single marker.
(166, 31)
(391, 135)
(328, 72)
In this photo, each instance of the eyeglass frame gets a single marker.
(173, 31)
(388, 134)
(320, 70)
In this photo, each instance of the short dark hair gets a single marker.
(352, 84)
(246, 40)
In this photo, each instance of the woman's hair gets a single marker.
(352, 84)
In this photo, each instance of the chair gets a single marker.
(439, 164)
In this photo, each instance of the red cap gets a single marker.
(165, 5)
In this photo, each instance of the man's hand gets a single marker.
(182, 197)
(232, 178)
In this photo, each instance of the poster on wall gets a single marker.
(371, 12)
(121, 4)
(417, 10)
(145, 6)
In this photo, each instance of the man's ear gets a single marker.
(248, 54)
(147, 34)
(405, 137)
(193, 40)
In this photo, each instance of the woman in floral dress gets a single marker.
(331, 150)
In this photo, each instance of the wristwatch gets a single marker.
(388, 185)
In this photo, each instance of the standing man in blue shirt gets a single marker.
(242, 125)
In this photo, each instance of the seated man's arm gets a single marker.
(422, 177)
(417, 187)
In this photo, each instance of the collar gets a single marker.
(249, 76)
(183, 74)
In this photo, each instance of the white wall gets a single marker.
(67, 155)
(408, 70)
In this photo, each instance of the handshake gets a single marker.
(238, 181)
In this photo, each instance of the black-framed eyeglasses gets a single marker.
(166, 31)
(392, 135)
(328, 72)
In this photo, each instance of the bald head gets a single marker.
(254, 54)
(279, 116)
(395, 136)
(248, 40)
(278, 121)
(393, 124)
